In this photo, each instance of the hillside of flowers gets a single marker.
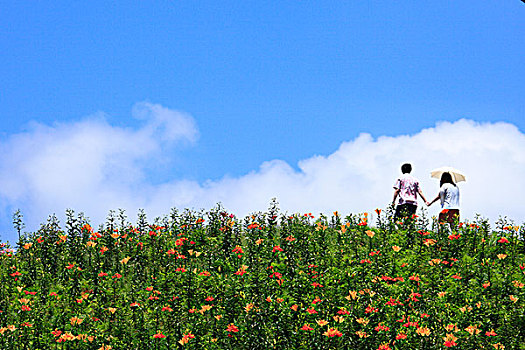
(272, 280)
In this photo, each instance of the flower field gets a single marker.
(209, 280)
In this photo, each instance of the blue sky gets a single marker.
(259, 81)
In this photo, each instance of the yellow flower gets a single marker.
(452, 327)
(248, 307)
(473, 330)
(450, 337)
(429, 241)
(441, 294)
(465, 308)
(125, 260)
(363, 321)
(513, 298)
(112, 309)
(205, 308)
(423, 331)
(518, 284)
(320, 226)
(352, 295)
(322, 322)
(434, 262)
(502, 256)
(75, 320)
(396, 248)
(370, 233)
(339, 318)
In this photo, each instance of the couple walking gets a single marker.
(407, 188)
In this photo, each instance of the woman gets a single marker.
(449, 196)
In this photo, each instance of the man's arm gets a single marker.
(423, 197)
(396, 193)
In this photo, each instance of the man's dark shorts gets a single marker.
(405, 210)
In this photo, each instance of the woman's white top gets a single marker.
(449, 195)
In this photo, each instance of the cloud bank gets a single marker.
(92, 166)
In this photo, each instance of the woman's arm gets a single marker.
(433, 201)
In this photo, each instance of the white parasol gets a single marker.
(457, 175)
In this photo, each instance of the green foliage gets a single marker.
(208, 280)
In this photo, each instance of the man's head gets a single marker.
(406, 168)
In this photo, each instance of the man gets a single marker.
(407, 188)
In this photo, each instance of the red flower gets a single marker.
(490, 333)
(277, 249)
(306, 327)
(276, 275)
(311, 311)
(240, 272)
(232, 328)
(159, 336)
(414, 278)
(370, 309)
(393, 302)
(413, 296)
(382, 328)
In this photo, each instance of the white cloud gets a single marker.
(87, 165)
(92, 166)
